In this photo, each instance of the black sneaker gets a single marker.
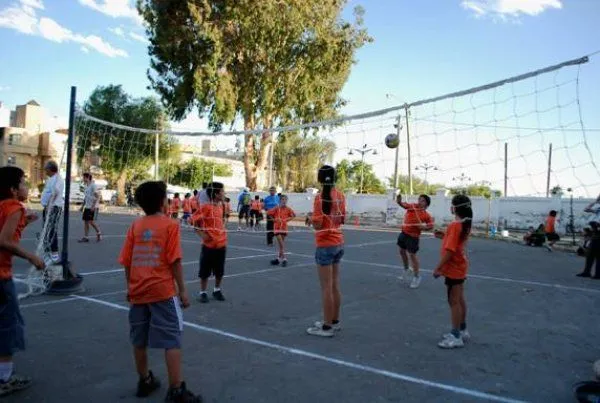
(148, 385)
(203, 297)
(584, 274)
(275, 262)
(218, 295)
(284, 263)
(14, 384)
(182, 395)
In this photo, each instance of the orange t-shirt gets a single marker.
(330, 233)
(255, 205)
(151, 247)
(281, 216)
(9, 207)
(194, 205)
(187, 205)
(175, 203)
(550, 224)
(457, 266)
(209, 218)
(414, 217)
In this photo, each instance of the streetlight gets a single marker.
(362, 151)
(462, 179)
(426, 167)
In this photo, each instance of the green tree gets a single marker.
(481, 189)
(557, 191)
(267, 63)
(192, 173)
(124, 156)
(420, 186)
(349, 177)
(297, 159)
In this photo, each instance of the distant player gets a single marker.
(416, 220)
(211, 228)
(454, 267)
(243, 208)
(255, 208)
(13, 220)
(194, 203)
(281, 214)
(175, 206)
(90, 208)
(156, 291)
(186, 206)
(270, 202)
(227, 212)
(551, 236)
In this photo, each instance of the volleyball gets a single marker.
(392, 140)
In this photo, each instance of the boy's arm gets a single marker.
(8, 243)
(178, 274)
(401, 203)
(428, 224)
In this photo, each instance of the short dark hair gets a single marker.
(195, 192)
(257, 197)
(10, 178)
(204, 185)
(427, 199)
(213, 188)
(553, 213)
(227, 199)
(51, 165)
(150, 196)
(187, 195)
(87, 175)
(176, 195)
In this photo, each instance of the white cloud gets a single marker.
(114, 8)
(117, 31)
(84, 49)
(22, 17)
(138, 37)
(504, 9)
(4, 88)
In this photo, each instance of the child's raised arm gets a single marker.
(7, 241)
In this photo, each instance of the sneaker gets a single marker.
(275, 262)
(406, 275)
(584, 274)
(55, 258)
(416, 281)
(464, 335)
(148, 385)
(549, 248)
(83, 240)
(203, 297)
(336, 327)
(451, 342)
(14, 384)
(319, 331)
(284, 263)
(182, 395)
(218, 295)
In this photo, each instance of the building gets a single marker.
(4, 116)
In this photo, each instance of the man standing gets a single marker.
(52, 202)
(90, 208)
(271, 201)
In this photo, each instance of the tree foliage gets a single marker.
(420, 186)
(267, 63)
(193, 173)
(481, 189)
(349, 177)
(124, 156)
(297, 159)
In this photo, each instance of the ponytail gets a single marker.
(326, 177)
(463, 209)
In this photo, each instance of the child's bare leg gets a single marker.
(218, 281)
(95, 227)
(456, 314)
(141, 361)
(173, 358)
(86, 228)
(337, 295)
(203, 284)
(404, 257)
(463, 306)
(281, 245)
(414, 262)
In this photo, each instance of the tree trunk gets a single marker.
(121, 197)
(255, 160)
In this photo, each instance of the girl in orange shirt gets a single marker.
(329, 211)
(281, 214)
(454, 266)
(187, 208)
(175, 204)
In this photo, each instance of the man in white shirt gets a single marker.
(90, 208)
(53, 203)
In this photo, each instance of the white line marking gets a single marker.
(56, 301)
(331, 360)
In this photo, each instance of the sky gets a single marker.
(421, 49)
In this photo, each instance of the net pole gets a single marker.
(398, 130)
(71, 135)
(505, 169)
(549, 170)
(156, 149)
(410, 179)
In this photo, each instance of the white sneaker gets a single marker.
(336, 327)
(464, 335)
(406, 275)
(451, 342)
(416, 281)
(55, 258)
(319, 331)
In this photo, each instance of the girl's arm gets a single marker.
(443, 261)
(8, 243)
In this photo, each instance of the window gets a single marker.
(11, 160)
(14, 139)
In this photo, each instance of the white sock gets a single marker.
(202, 292)
(217, 289)
(6, 369)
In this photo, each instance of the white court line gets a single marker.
(330, 360)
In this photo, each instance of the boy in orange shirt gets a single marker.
(550, 229)
(416, 220)
(187, 208)
(13, 219)
(255, 207)
(175, 205)
(210, 227)
(281, 214)
(454, 267)
(156, 291)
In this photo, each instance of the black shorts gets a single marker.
(244, 212)
(409, 243)
(552, 236)
(451, 282)
(212, 262)
(254, 214)
(90, 214)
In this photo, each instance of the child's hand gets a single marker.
(439, 234)
(37, 262)
(437, 273)
(183, 297)
(31, 217)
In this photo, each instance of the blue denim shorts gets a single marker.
(329, 255)
(12, 327)
(156, 325)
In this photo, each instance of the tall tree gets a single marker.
(124, 155)
(268, 63)
(194, 172)
(350, 175)
(420, 186)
